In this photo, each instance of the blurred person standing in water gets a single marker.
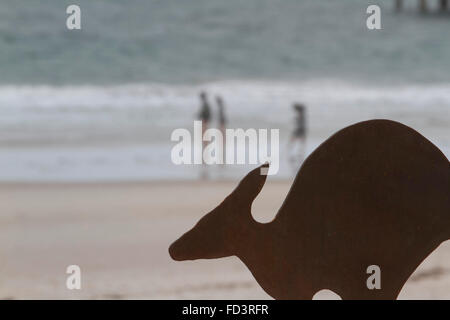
(222, 122)
(205, 117)
(297, 141)
(205, 112)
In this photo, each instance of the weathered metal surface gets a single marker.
(375, 193)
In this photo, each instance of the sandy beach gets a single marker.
(119, 234)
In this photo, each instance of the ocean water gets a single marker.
(100, 103)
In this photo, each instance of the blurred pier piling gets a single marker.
(423, 5)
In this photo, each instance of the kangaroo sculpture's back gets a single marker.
(375, 193)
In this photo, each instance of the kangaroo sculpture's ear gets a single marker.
(249, 187)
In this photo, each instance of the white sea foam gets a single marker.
(123, 132)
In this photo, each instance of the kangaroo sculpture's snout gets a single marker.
(375, 193)
(232, 220)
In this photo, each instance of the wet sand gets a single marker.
(119, 233)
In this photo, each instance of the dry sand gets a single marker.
(119, 234)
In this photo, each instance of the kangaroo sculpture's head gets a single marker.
(220, 232)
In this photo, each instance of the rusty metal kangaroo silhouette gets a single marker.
(374, 193)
